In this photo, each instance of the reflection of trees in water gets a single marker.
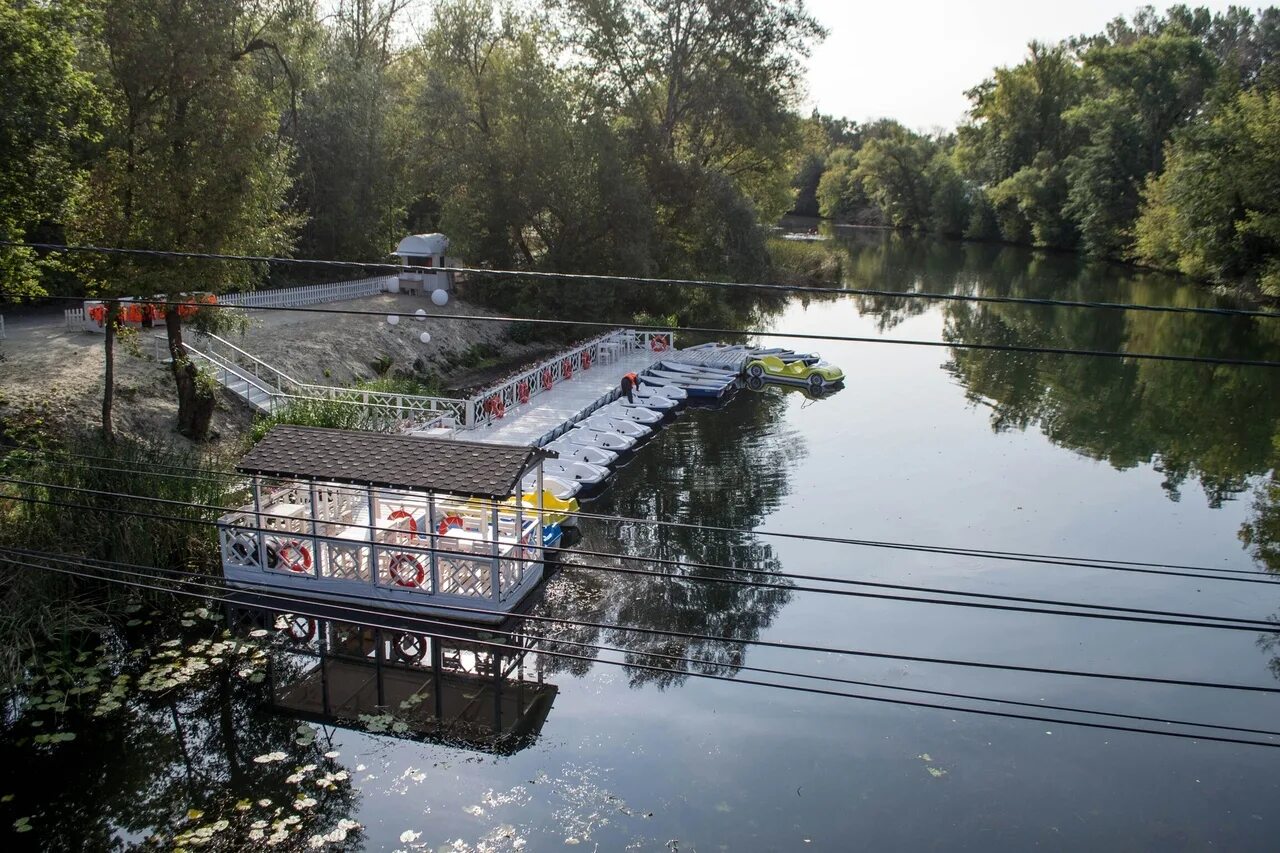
(138, 770)
(723, 468)
(1192, 422)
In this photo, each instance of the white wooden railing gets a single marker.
(74, 318)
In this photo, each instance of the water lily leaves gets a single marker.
(22, 824)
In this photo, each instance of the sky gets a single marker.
(914, 60)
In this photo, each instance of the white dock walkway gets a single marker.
(567, 401)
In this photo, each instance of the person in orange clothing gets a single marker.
(629, 382)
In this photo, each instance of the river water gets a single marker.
(1105, 459)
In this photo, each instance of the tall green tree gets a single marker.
(48, 111)
(193, 159)
(1215, 211)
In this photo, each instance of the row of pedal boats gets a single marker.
(588, 451)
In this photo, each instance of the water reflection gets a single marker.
(723, 468)
(1214, 425)
(463, 687)
(159, 733)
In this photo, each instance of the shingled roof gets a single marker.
(413, 463)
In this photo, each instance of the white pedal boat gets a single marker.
(698, 370)
(580, 472)
(562, 489)
(649, 398)
(639, 414)
(596, 438)
(686, 380)
(624, 426)
(671, 392)
(583, 452)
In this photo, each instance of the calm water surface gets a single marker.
(1121, 460)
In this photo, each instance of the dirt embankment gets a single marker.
(52, 378)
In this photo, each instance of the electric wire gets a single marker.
(770, 643)
(732, 679)
(723, 332)
(1095, 611)
(1142, 567)
(546, 275)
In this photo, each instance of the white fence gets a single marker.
(1, 327)
(312, 294)
(74, 318)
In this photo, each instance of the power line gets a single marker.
(1110, 612)
(712, 331)
(714, 676)
(544, 275)
(1142, 567)
(756, 642)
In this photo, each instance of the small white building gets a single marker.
(425, 250)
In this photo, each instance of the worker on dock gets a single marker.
(629, 382)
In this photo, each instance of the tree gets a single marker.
(354, 136)
(49, 107)
(893, 172)
(1215, 211)
(193, 159)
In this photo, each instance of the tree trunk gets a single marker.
(109, 379)
(195, 402)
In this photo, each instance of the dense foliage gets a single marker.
(1157, 140)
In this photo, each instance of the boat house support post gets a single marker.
(373, 535)
(315, 530)
(495, 567)
(257, 523)
(432, 534)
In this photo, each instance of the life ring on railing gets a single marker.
(547, 379)
(566, 369)
(659, 343)
(410, 648)
(301, 628)
(413, 523)
(586, 360)
(285, 555)
(452, 521)
(98, 314)
(495, 406)
(406, 570)
(522, 390)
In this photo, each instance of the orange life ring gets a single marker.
(450, 522)
(98, 314)
(659, 343)
(406, 570)
(495, 406)
(522, 390)
(586, 361)
(547, 379)
(299, 565)
(400, 513)
(566, 369)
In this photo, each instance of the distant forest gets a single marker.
(1155, 141)
(650, 137)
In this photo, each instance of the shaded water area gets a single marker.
(320, 734)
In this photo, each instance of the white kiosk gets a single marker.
(425, 250)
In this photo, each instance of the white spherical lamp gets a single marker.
(440, 297)
(425, 337)
(393, 319)
(421, 313)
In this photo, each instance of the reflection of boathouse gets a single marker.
(405, 522)
(459, 688)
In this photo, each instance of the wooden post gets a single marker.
(257, 522)
(315, 529)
